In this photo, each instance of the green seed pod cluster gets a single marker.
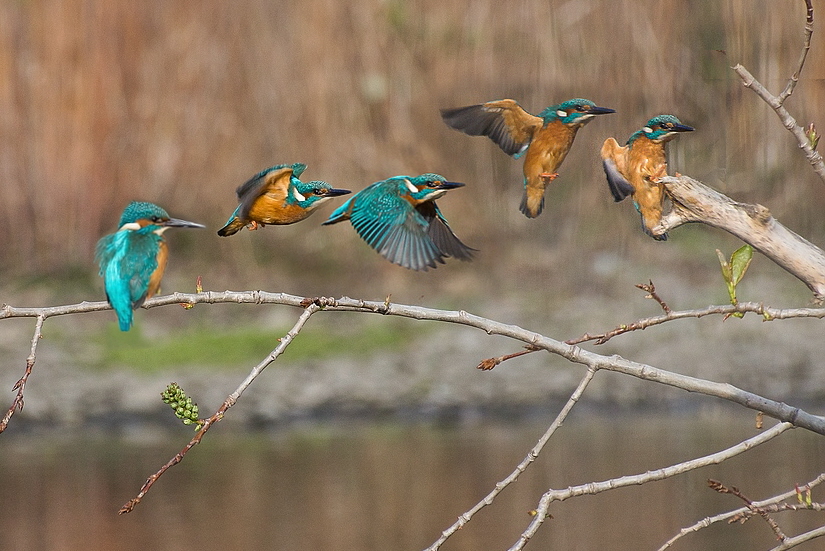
(183, 406)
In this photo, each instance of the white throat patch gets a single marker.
(297, 195)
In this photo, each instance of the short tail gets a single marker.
(531, 207)
(232, 227)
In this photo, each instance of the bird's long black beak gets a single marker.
(334, 192)
(449, 185)
(596, 110)
(177, 223)
(681, 128)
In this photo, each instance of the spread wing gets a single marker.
(274, 182)
(390, 225)
(614, 162)
(503, 121)
(442, 234)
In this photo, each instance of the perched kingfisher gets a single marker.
(133, 258)
(277, 196)
(546, 139)
(635, 169)
(398, 218)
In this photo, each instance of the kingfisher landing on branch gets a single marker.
(133, 258)
(544, 140)
(277, 196)
(635, 169)
(398, 218)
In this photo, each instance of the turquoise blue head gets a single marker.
(661, 128)
(574, 112)
(138, 214)
(429, 186)
(309, 195)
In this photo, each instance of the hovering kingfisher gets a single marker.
(133, 258)
(398, 218)
(277, 196)
(635, 169)
(546, 139)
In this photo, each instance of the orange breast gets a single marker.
(157, 275)
(645, 159)
(548, 149)
(268, 210)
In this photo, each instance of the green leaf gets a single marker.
(727, 274)
(739, 262)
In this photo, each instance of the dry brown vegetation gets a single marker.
(179, 102)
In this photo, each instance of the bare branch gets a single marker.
(531, 456)
(722, 489)
(20, 385)
(572, 353)
(767, 313)
(597, 487)
(806, 46)
(777, 102)
(704, 523)
(695, 202)
(228, 403)
(650, 289)
(790, 543)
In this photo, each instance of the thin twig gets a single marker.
(806, 46)
(228, 403)
(531, 456)
(490, 363)
(597, 487)
(650, 289)
(776, 102)
(800, 539)
(767, 313)
(708, 521)
(20, 385)
(734, 491)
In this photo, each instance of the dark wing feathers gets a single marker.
(504, 122)
(619, 187)
(441, 233)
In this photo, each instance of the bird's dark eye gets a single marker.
(155, 219)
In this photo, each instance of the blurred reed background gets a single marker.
(179, 102)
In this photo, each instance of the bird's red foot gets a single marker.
(661, 172)
(254, 226)
(548, 177)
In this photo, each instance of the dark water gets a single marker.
(394, 487)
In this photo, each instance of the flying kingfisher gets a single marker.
(635, 169)
(133, 258)
(546, 139)
(277, 196)
(398, 218)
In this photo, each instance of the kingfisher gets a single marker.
(133, 258)
(544, 140)
(398, 217)
(277, 196)
(635, 169)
